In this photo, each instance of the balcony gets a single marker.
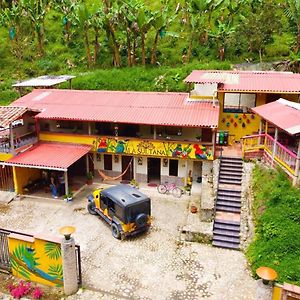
(260, 145)
(19, 143)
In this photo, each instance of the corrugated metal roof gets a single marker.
(46, 80)
(58, 156)
(123, 107)
(9, 114)
(282, 113)
(248, 81)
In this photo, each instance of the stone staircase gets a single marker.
(226, 229)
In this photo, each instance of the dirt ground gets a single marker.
(154, 266)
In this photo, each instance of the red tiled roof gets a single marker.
(282, 113)
(122, 107)
(55, 156)
(248, 81)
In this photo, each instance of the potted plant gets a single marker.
(198, 137)
(68, 196)
(89, 178)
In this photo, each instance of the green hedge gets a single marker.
(276, 210)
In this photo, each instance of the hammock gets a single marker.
(106, 177)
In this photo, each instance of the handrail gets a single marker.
(218, 184)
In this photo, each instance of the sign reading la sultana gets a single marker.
(152, 148)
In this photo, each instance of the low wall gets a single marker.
(36, 258)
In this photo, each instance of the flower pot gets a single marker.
(193, 209)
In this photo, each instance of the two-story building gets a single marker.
(148, 136)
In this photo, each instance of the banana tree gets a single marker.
(83, 20)
(67, 8)
(111, 21)
(161, 20)
(11, 18)
(221, 34)
(36, 11)
(144, 21)
(292, 11)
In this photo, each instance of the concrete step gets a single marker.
(229, 227)
(232, 158)
(224, 238)
(230, 173)
(227, 181)
(233, 198)
(228, 222)
(225, 192)
(228, 209)
(227, 245)
(228, 233)
(229, 203)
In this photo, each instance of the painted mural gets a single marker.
(153, 148)
(36, 260)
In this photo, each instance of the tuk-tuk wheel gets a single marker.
(91, 208)
(115, 231)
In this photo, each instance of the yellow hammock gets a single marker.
(106, 177)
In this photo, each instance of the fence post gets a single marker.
(69, 260)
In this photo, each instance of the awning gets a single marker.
(282, 113)
(52, 156)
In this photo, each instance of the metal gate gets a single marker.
(6, 178)
(4, 251)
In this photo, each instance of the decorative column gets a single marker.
(69, 260)
(154, 132)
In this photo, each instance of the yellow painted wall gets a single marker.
(251, 127)
(276, 292)
(22, 177)
(233, 122)
(5, 156)
(155, 148)
(36, 259)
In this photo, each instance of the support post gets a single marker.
(89, 128)
(297, 167)
(266, 132)
(275, 145)
(87, 163)
(260, 131)
(66, 182)
(214, 141)
(154, 132)
(69, 265)
(11, 136)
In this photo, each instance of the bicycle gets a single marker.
(170, 187)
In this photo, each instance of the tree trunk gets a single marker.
(87, 47)
(40, 40)
(129, 62)
(68, 31)
(153, 50)
(116, 52)
(190, 48)
(133, 59)
(222, 53)
(143, 49)
(96, 45)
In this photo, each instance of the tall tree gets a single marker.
(36, 11)
(11, 18)
(292, 11)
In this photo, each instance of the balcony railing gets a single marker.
(283, 156)
(24, 140)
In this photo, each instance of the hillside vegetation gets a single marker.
(76, 36)
(276, 210)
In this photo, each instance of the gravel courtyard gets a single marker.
(152, 266)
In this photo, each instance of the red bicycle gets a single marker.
(167, 188)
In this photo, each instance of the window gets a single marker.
(167, 130)
(173, 167)
(69, 125)
(107, 162)
(240, 103)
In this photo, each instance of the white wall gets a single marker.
(117, 166)
(141, 169)
(98, 165)
(164, 171)
(206, 89)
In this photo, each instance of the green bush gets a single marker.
(276, 210)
